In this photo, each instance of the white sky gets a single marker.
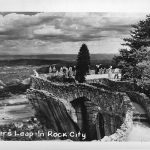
(47, 32)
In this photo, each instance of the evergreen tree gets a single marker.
(129, 59)
(140, 35)
(83, 63)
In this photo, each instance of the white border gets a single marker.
(74, 6)
(55, 145)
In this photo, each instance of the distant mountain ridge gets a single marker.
(65, 57)
(59, 59)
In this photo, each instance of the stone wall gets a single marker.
(141, 99)
(111, 102)
(52, 113)
(122, 133)
(120, 86)
(112, 107)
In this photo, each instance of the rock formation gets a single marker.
(83, 108)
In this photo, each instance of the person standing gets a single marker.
(50, 69)
(110, 72)
(96, 69)
(116, 73)
(70, 73)
(74, 70)
(54, 69)
(61, 71)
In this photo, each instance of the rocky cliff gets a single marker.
(81, 108)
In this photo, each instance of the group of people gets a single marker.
(116, 72)
(64, 71)
(102, 70)
(71, 71)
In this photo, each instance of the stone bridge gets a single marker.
(88, 108)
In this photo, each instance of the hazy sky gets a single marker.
(34, 33)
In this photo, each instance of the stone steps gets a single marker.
(140, 117)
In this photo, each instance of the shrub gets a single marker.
(62, 79)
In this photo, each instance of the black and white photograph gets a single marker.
(75, 76)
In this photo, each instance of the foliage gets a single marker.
(62, 79)
(138, 42)
(83, 63)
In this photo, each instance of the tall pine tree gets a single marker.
(83, 63)
(136, 52)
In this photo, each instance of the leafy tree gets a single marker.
(129, 59)
(83, 63)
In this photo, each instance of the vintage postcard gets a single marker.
(75, 75)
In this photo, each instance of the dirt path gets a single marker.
(138, 108)
(141, 130)
(98, 76)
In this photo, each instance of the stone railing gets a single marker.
(55, 114)
(141, 99)
(109, 104)
(108, 101)
(122, 133)
(120, 86)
